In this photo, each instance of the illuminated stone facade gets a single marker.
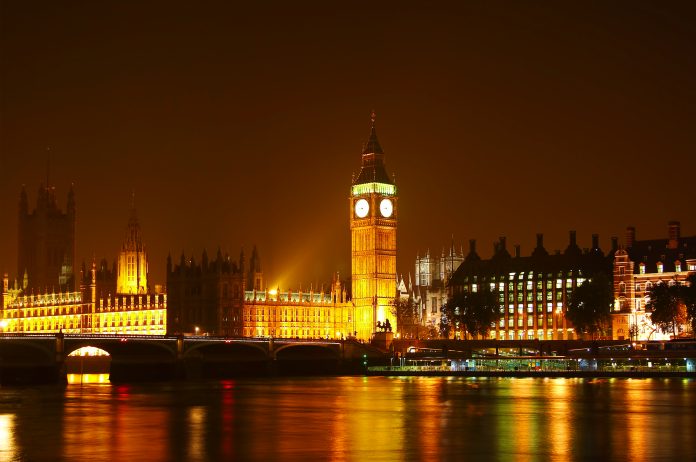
(533, 291)
(46, 243)
(95, 308)
(84, 313)
(639, 267)
(432, 275)
(299, 314)
(373, 213)
(132, 261)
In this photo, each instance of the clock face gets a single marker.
(361, 208)
(386, 208)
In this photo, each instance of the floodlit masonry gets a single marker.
(305, 315)
(108, 302)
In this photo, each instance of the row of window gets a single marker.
(530, 275)
(288, 333)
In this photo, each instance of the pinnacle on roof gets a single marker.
(372, 168)
(372, 146)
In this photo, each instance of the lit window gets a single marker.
(559, 283)
(660, 267)
(549, 307)
(677, 266)
(642, 268)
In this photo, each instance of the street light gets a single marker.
(197, 329)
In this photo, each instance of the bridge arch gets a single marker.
(120, 348)
(303, 350)
(27, 351)
(231, 349)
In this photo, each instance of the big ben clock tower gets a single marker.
(373, 215)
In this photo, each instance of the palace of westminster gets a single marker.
(223, 296)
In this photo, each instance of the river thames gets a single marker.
(352, 418)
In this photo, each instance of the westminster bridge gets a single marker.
(27, 358)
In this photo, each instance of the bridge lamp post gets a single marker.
(197, 329)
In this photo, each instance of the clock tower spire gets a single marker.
(373, 218)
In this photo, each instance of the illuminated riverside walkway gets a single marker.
(549, 359)
(41, 358)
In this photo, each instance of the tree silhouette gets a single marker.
(406, 313)
(666, 306)
(474, 311)
(589, 305)
(689, 299)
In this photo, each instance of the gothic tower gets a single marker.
(132, 260)
(373, 217)
(46, 242)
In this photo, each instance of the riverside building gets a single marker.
(533, 291)
(638, 267)
(117, 301)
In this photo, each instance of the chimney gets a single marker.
(517, 251)
(595, 241)
(673, 235)
(472, 246)
(614, 243)
(502, 243)
(573, 242)
(540, 240)
(630, 236)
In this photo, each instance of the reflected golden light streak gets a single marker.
(432, 417)
(196, 426)
(377, 415)
(636, 430)
(8, 451)
(522, 409)
(560, 418)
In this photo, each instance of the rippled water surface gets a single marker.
(352, 418)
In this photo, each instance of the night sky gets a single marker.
(241, 125)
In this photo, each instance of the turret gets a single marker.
(132, 260)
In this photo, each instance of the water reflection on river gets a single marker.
(351, 418)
